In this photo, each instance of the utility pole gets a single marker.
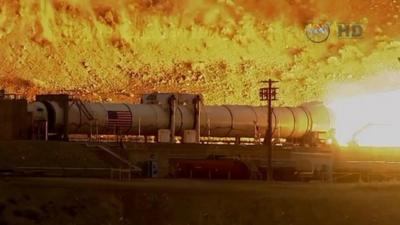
(269, 94)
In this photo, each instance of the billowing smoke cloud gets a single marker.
(385, 81)
(116, 50)
(367, 111)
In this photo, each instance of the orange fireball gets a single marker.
(115, 50)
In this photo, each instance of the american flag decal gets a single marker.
(119, 119)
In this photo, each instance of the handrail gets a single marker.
(122, 174)
(84, 109)
(116, 156)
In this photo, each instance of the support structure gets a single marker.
(197, 109)
(172, 108)
(269, 94)
(63, 101)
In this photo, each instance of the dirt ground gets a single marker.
(184, 202)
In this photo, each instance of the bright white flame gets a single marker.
(369, 120)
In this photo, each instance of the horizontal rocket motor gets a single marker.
(154, 113)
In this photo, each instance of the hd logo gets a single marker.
(320, 32)
(350, 30)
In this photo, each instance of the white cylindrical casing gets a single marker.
(50, 111)
(184, 119)
(290, 122)
(80, 123)
(145, 118)
(216, 121)
(149, 118)
(320, 116)
(229, 121)
(38, 110)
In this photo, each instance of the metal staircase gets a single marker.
(114, 157)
